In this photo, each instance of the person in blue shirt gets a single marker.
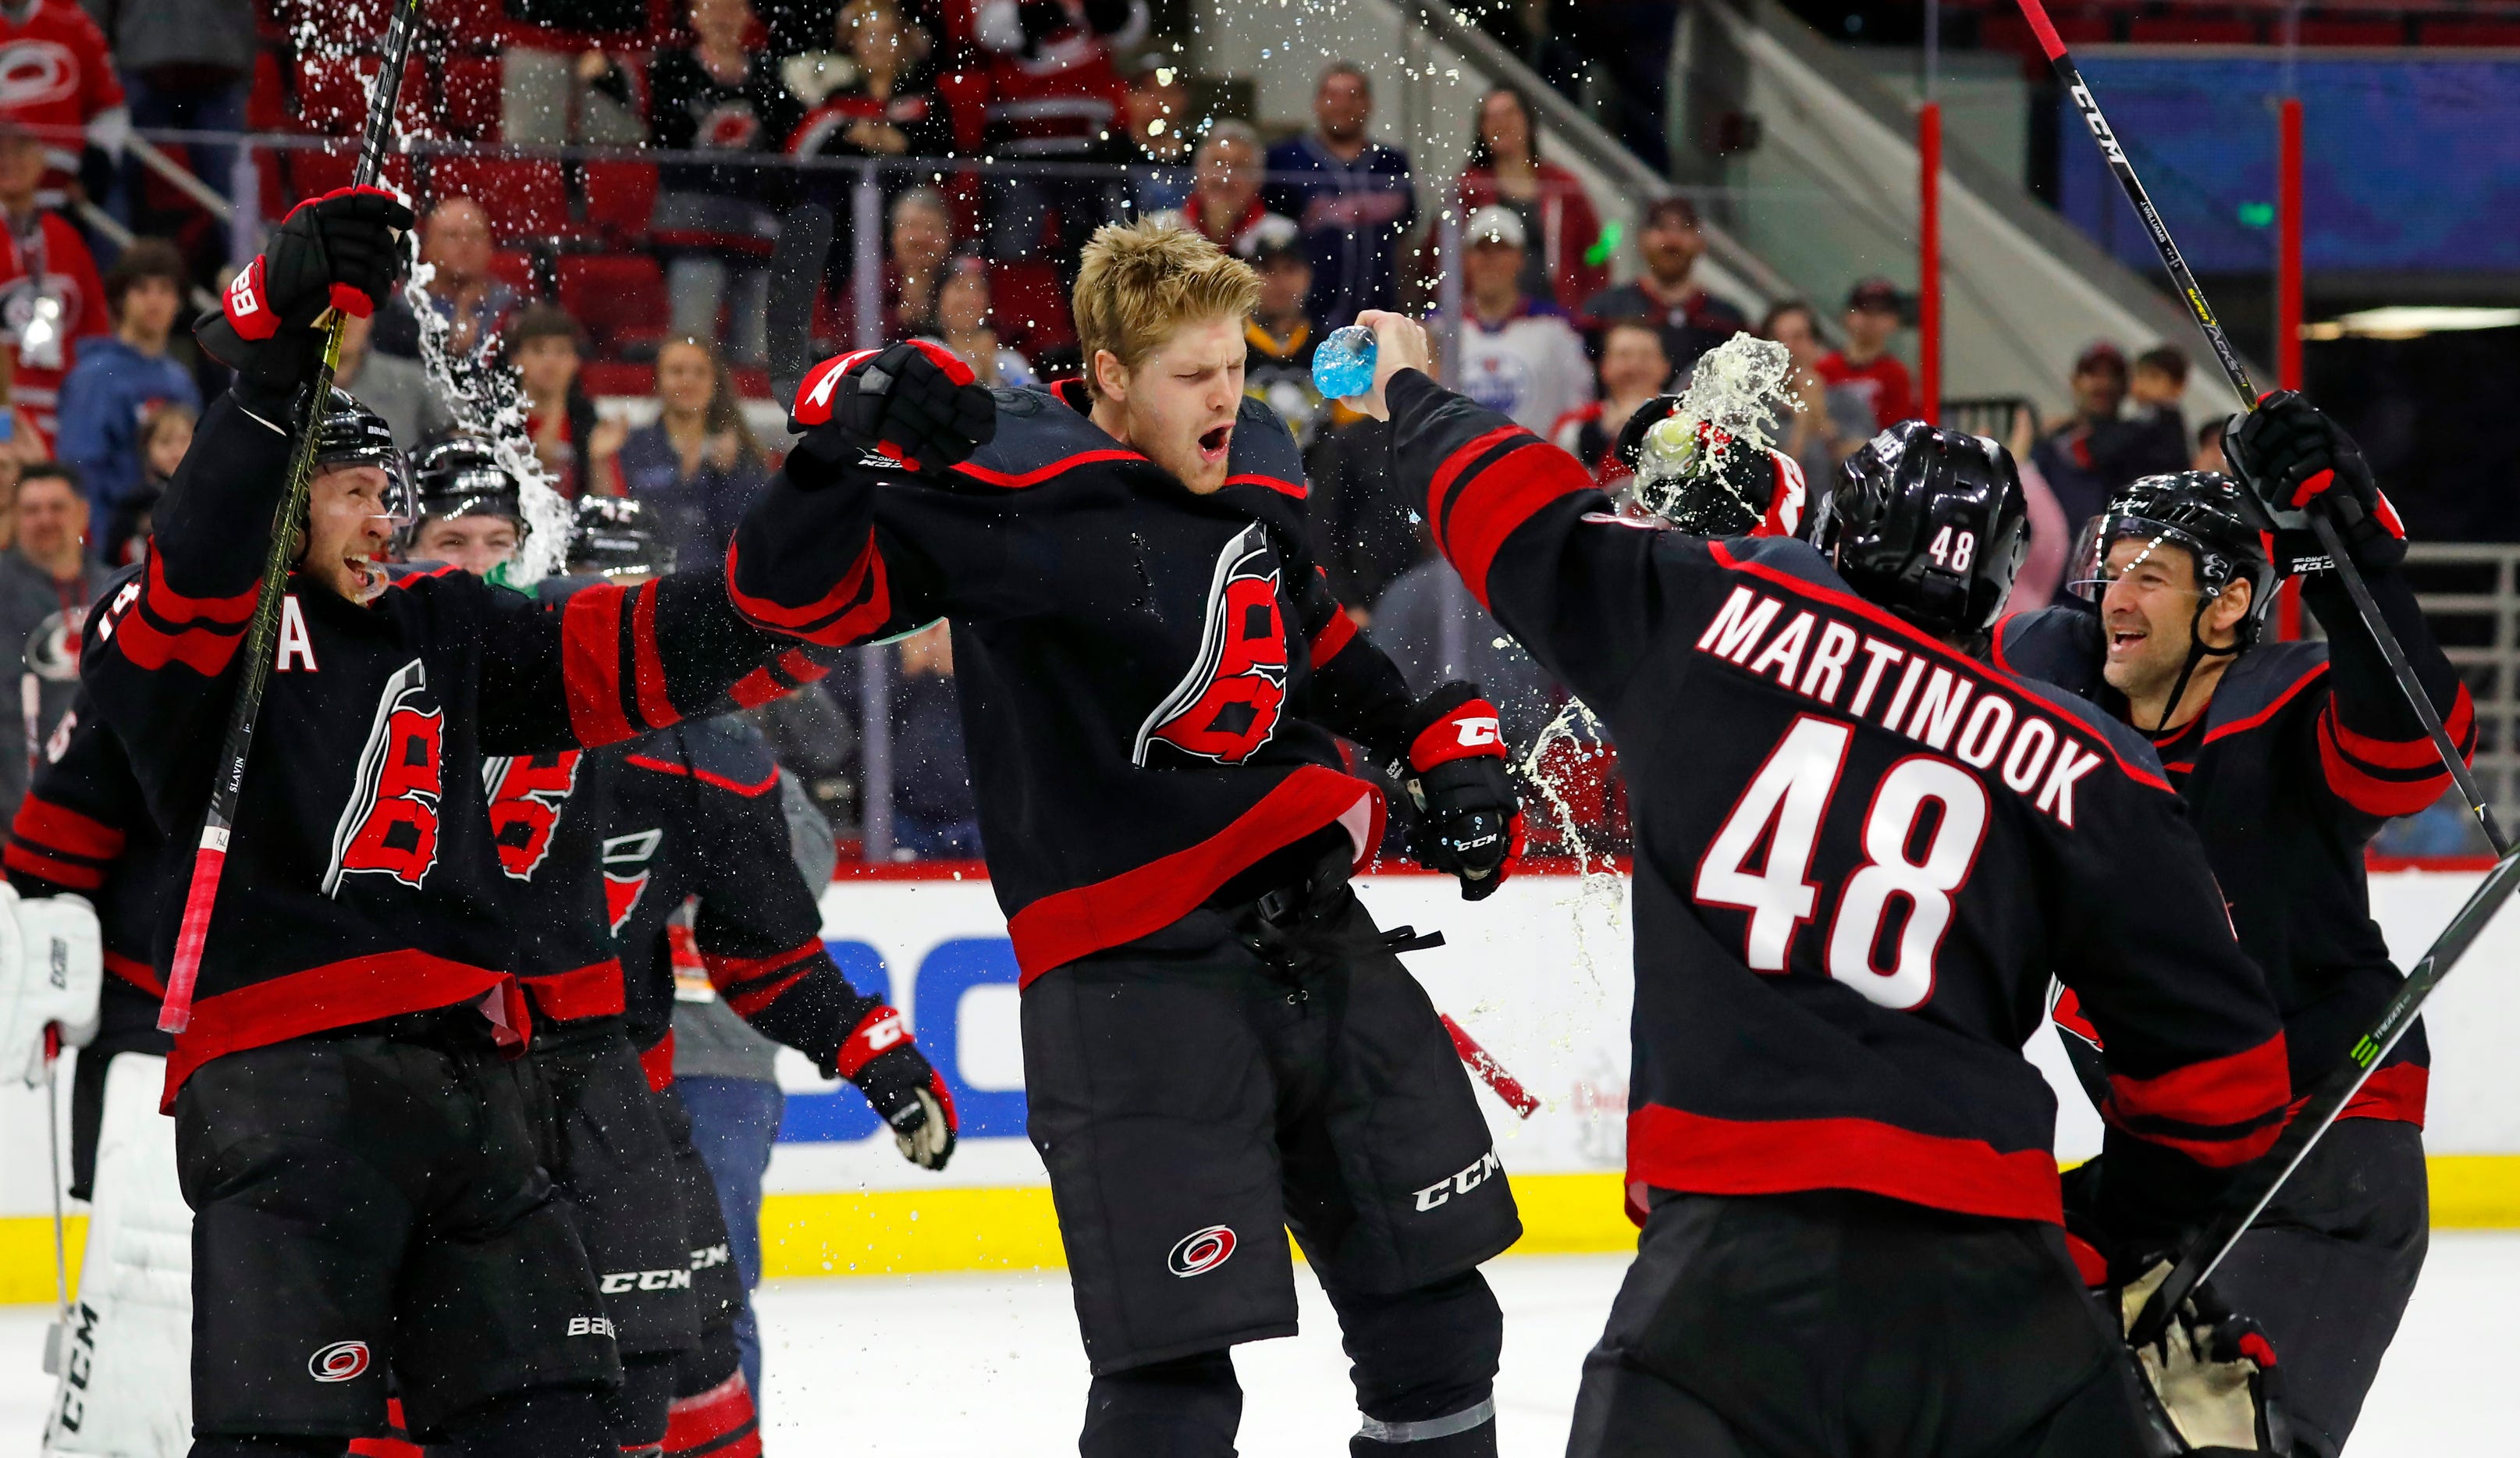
(1349, 193)
(122, 379)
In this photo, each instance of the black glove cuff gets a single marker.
(1442, 700)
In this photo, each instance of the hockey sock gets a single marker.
(269, 1447)
(718, 1423)
(635, 1410)
(1425, 1364)
(1185, 1408)
(542, 1423)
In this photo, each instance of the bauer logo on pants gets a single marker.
(338, 1362)
(1201, 1251)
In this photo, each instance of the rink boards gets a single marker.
(1537, 974)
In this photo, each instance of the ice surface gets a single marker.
(989, 1366)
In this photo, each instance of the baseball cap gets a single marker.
(1874, 295)
(1274, 237)
(2101, 355)
(1496, 224)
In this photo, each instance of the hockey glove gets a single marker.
(340, 250)
(1469, 822)
(904, 1090)
(52, 972)
(2211, 1381)
(2293, 460)
(914, 403)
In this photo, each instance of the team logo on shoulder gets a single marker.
(389, 826)
(526, 793)
(626, 873)
(1201, 1251)
(1225, 707)
(338, 1362)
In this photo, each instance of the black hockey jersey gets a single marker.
(82, 828)
(1150, 679)
(2306, 749)
(362, 879)
(1859, 853)
(694, 812)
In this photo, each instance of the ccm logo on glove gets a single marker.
(1471, 729)
(879, 1029)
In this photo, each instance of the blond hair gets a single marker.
(1141, 282)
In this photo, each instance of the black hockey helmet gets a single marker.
(1929, 523)
(462, 477)
(2203, 510)
(612, 536)
(353, 435)
(1702, 481)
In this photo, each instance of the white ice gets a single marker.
(946, 1366)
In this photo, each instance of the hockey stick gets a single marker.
(2071, 78)
(2335, 1092)
(210, 857)
(1491, 1073)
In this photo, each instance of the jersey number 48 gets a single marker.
(1783, 807)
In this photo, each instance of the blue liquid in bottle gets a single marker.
(1344, 366)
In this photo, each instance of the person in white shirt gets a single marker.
(1519, 356)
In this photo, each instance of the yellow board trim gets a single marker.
(908, 1232)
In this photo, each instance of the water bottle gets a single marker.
(1343, 365)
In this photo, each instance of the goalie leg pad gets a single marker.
(133, 1319)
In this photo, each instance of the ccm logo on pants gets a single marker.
(618, 1282)
(1467, 1179)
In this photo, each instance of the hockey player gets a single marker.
(1219, 1045)
(359, 1158)
(693, 813)
(1840, 1159)
(2290, 756)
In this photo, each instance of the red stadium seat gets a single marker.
(516, 269)
(468, 97)
(314, 172)
(2192, 31)
(2005, 31)
(619, 297)
(332, 95)
(526, 197)
(475, 25)
(604, 377)
(2469, 31)
(1030, 311)
(620, 198)
(266, 107)
(2359, 32)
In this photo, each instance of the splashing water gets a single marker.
(1736, 397)
(1598, 885)
(486, 399)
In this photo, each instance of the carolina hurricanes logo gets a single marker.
(338, 1362)
(389, 826)
(526, 795)
(626, 873)
(730, 128)
(1201, 1251)
(35, 72)
(1225, 707)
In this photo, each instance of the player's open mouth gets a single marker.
(367, 575)
(1212, 444)
(2124, 638)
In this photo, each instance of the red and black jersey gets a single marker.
(82, 831)
(1152, 681)
(363, 880)
(1858, 855)
(694, 812)
(2306, 749)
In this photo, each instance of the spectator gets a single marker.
(124, 376)
(921, 247)
(556, 84)
(1278, 339)
(1829, 421)
(1506, 171)
(696, 465)
(165, 437)
(2209, 448)
(1224, 205)
(964, 326)
(1350, 195)
(2074, 457)
(50, 297)
(185, 65)
(63, 87)
(1633, 370)
(888, 104)
(2153, 437)
(392, 386)
(1054, 95)
(933, 814)
(46, 583)
(547, 348)
(1158, 144)
(455, 241)
(723, 97)
(1692, 321)
(1865, 363)
(1519, 357)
